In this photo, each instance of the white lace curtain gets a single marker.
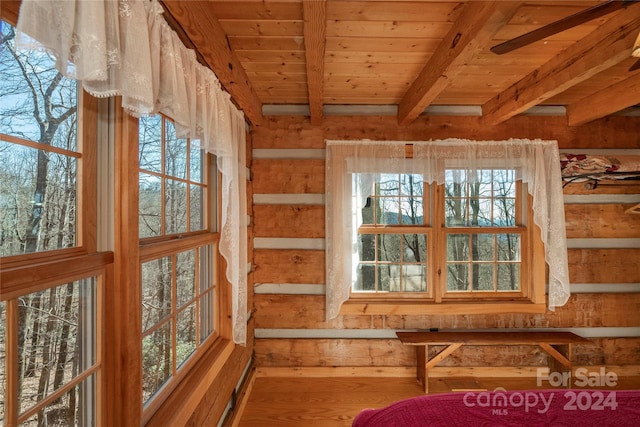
(536, 162)
(126, 48)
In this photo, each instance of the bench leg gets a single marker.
(421, 366)
(560, 360)
(424, 363)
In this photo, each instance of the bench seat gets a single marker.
(555, 344)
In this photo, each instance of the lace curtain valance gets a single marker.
(536, 162)
(126, 48)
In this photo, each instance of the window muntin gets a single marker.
(40, 152)
(173, 181)
(480, 250)
(178, 307)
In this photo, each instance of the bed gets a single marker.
(595, 167)
(557, 407)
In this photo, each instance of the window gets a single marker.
(432, 227)
(178, 253)
(398, 250)
(52, 276)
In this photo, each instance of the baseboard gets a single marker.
(436, 372)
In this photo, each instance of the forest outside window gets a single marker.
(178, 254)
(446, 226)
(40, 152)
(480, 252)
(52, 276)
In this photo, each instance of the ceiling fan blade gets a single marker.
(570, 21)
(635, 66)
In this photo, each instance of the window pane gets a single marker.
(175, 153)
(186, 334)
(156, 291)
(197, 208)
(455, 212)
(175, 207)
(38, 200)
(509, 277)
(387, 210)
(457, 277)
(482, 277)
(483, 247)
(508, 247)
(504, 212)
(388, 185)
(150, 143)
(415, 247)
(207, 313)
(412, 210)
(366, 278)
(196, 162)
(156, 360)
(207, 273)
(414, 278)
(389, 278)
(411, 185)
(150, 205)
(75, 408)
(458, 247)
(367, 247)
(389, 247)
(56, 338)
(186, 277)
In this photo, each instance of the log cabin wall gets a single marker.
(289, 263)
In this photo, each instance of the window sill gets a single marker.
(189, 392)
(415, 308)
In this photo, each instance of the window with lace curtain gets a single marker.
(178, 254)
(475, 252)
(432, 227)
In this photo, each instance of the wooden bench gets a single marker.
(556, 344)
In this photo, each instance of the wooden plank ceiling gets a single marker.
(410, 55)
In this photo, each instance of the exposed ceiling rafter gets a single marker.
(606, 46)
(314, 12)
(473, 29)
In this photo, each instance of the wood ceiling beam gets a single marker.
(201, 26)
(472, 31)
(607, 101)
(315, 12)
(603, 48)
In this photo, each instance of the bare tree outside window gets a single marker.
(38, 146)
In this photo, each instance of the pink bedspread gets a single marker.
(558, 407)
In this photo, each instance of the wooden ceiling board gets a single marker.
(247, 27)
(373, 52)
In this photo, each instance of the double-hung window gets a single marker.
(52, 277)
(178, 254)
(435, 227)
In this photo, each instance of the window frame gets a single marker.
(25, 274)
(437, 300)
(155, 247)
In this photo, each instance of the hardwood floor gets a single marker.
(315, 402)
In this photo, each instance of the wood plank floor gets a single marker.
(315, 402)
